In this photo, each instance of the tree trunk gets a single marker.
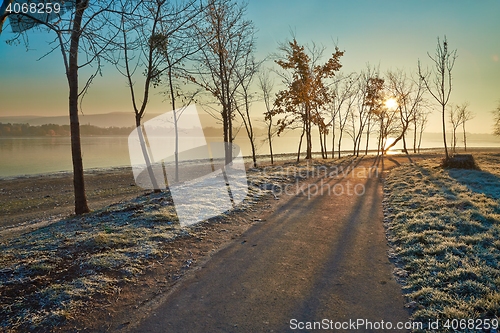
(367, 136)
(454, 140)
(359, 145)
(81, 206)
(333, 138)
(172, 98)
(404, 143)
(308, 134)
(142, 141)
(229, 149)
(444, 131)
(381, 134)
(340, 141)
(321, 143)
(465, 136)
(300, 143)
(249, 128)
(415, 136)
(269, 137)
(420, 138)
(254, 157)
(226, 134)
(324, 144)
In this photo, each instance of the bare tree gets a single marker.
(226, 40)
(420, 118)
(156, 38)
(243, 99)
(441, 85)
(465, 116)
(455, 123)
(496, 125)
(389, 126)
(363, 107)
(408, 94)
(266, 85)
(352, 129)
(81, 29)
(421, 121)
(459, 115)
(344, 99)
(176, 44)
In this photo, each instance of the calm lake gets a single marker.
(28, 156)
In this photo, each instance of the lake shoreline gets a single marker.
(31, 199)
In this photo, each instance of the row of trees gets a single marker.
(204, 50)
(23, 130)
(358, 105)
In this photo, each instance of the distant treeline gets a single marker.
(14, 130)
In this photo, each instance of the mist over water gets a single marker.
(28, 156)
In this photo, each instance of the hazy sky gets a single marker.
(392, 34)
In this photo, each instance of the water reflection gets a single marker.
(25, 156)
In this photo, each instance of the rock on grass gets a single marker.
(460, 161)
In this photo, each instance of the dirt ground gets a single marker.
(36, 198)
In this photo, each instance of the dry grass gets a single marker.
(444, 228)
(49, 274)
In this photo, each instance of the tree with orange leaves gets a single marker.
(306, 92)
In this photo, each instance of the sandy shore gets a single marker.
(33, 199)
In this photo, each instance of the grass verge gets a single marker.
(443, 226)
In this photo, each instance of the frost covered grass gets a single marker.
(49, 274)
(444, 229)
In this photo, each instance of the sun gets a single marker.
(389, 142)
(391, 104)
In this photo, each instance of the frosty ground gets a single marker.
(50, 274)
(442, 226)
(444, 229)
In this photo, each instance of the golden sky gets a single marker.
(389, 34)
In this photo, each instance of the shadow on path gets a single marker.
(316, 257)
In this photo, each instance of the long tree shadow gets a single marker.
(481, 182)
(326, 282)
(356, 292)
(442, 217)
(476, 181)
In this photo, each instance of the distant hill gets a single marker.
(113, 119)
(25, 130)
(212, 129)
